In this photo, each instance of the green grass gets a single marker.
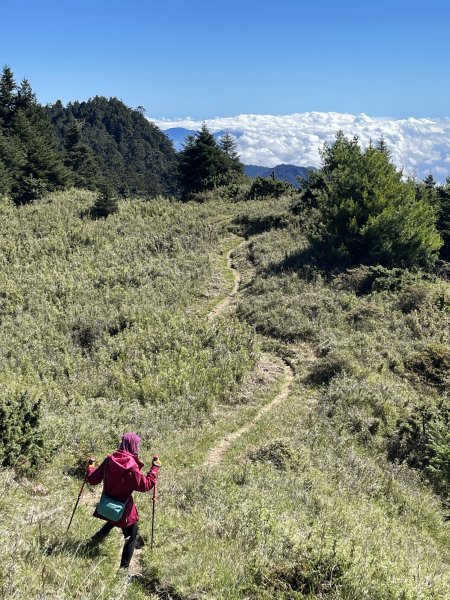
(106, 321)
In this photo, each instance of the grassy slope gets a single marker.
(105, 321)
(302, 505)
(305, 504)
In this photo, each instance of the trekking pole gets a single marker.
(153, 515)
(90, 462)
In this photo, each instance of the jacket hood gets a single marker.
(122, 460)
(130, 443)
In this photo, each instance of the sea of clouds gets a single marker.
(418, 145)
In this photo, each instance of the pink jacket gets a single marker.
(121, 476)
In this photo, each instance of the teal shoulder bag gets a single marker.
(110, 509)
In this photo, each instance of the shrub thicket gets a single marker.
(381, 337)
(265, 187)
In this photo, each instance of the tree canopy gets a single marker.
(30, 162)
(369, 213)
(105, 140)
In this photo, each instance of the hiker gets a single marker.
(121, 476)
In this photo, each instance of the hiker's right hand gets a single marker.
(91, 461)
(156, 462)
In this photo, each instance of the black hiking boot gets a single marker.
(141, 541)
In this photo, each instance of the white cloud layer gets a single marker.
(417, 145)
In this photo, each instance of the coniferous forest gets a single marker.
(285, 350)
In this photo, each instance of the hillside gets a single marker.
(275, 417)
(128, 151)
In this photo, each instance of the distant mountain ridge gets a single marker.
(283, 172)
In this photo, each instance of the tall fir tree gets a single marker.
(203, 164)
(8, 89)
(80, 159)
(443, 224)
(228, 144)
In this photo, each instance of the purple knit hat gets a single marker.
(130, 443)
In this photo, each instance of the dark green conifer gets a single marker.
(106, 203)
(203, 164)
(228, 144)
(7, 97)
(80, 159)
(21, 441)
(443, 224)
(369, 213)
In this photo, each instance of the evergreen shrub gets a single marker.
(106, 204)
(21, 441)
(369, 214)
(263, 187)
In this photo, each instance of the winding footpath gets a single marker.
(217, 452)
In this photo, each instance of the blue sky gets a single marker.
(207, 59)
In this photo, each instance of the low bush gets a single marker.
(263, 187)
(367, 279)
(22, 443)
(423, 442)
(278, 453)
(312, 575)
(431, 364)
(328, 367)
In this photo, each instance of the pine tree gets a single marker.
(43, 170)
(25, 98)
(106, 203)
(203, 164)
(429, 180)
(427, 191)
(80, 159)
(228, 144)
(28, 147)
(369, 213)
(443, 223)
(7, 97)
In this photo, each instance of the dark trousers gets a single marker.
(129, 533)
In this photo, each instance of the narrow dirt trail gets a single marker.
(222, 306)
(217, 453)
